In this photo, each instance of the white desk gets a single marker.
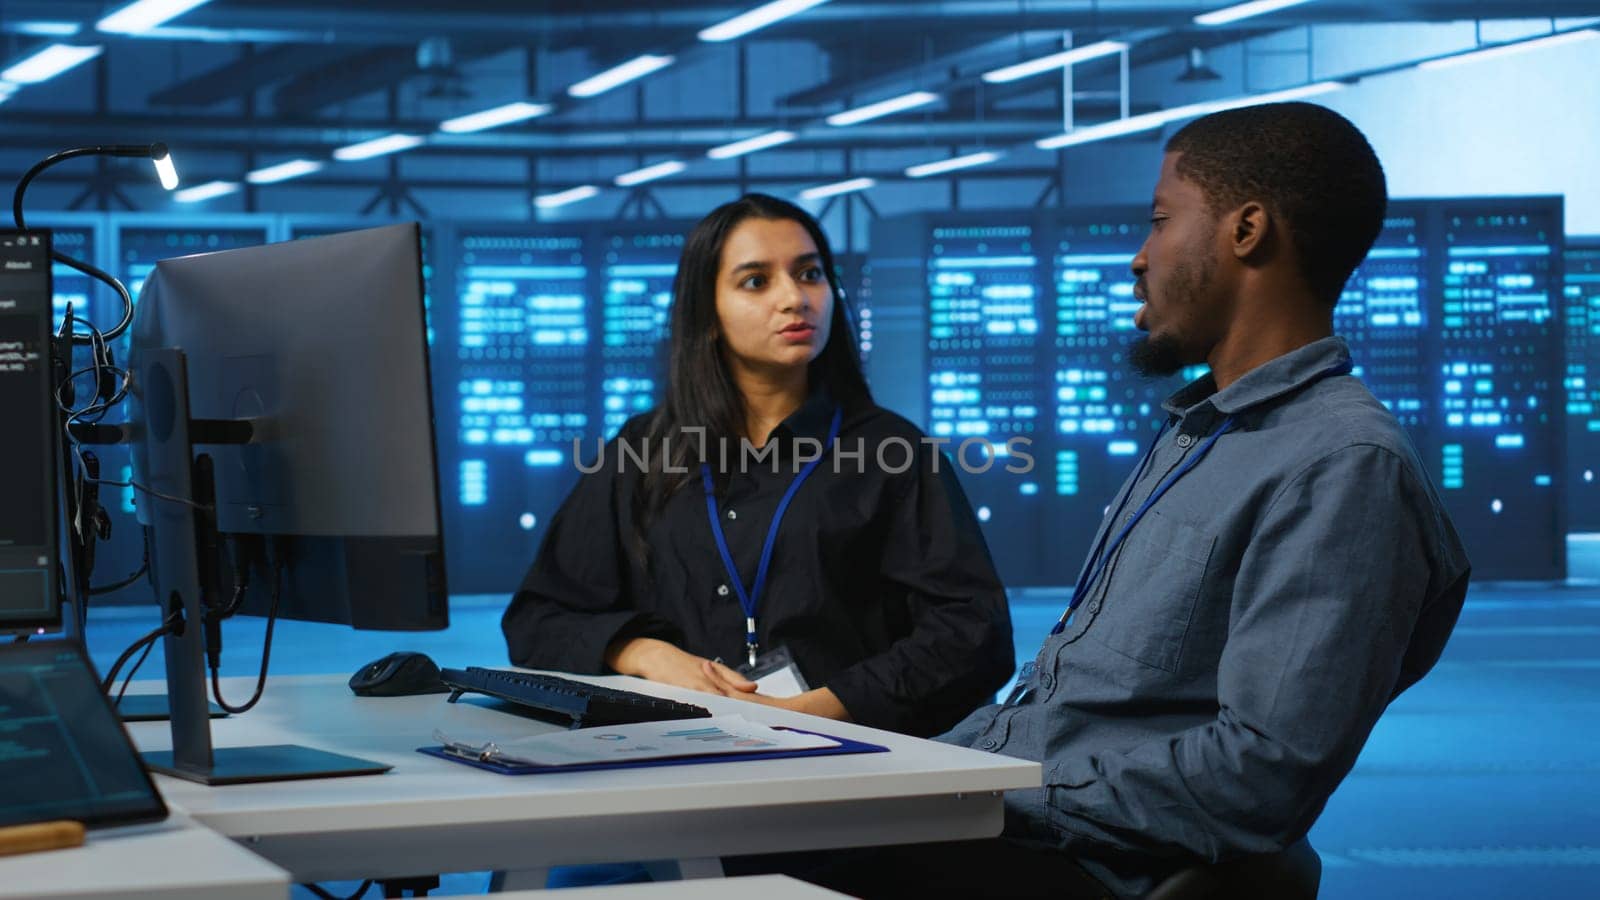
(177, 859)
(754, 887)
(430, 815)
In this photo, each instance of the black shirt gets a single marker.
(881, 585)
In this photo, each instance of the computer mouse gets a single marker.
(398, 675)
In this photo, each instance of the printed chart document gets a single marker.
(716, 736)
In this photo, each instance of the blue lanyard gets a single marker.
(1103, 553)
(749, 599)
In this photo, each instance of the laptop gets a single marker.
(64, 753)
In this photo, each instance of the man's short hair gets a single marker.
(1307, 164)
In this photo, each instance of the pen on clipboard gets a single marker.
(486, 752)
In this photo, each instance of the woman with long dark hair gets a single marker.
(768, 519)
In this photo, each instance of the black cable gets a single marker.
(98, 408)
(147, 151)
(129, 679)
(77, 452)
(103, 276)
(266, 651)
(100, 366)
(80, 470)
(110, 588)
(100, 361)
(152, 492)
(240, 585)
(155, 634)
(116, 667)
(144, 567)
(325, 895)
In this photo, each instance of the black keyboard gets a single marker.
(580, 703)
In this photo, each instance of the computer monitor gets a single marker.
(30, 457)
(320, 344)
(282, 426)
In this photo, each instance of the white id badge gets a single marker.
(776, 674)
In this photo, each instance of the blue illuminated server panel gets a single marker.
(558, 335)
(986, 318)
(523, 336)
(88, 298)
(1026, 319)
(1501, 436)
(635, 300)
(1103, 414)
(1453, 320)
(1383, 314)
(1581, 300)
(853, 272)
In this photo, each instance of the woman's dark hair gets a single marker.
(700, 390)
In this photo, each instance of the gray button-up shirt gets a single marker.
(1218, 680)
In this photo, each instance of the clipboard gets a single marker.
(503, 767)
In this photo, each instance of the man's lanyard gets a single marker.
(749, 599)
(1103, 553)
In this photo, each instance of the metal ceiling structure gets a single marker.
(265, 80)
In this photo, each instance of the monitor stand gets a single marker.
(155, 708)
(80, 554)
(162, 387)
(275, 762)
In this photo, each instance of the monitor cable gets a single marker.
(128, 679)
(108, 394)
(173, 624)
(214, 636)
(144, 568)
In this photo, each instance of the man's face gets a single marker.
(1176, 278)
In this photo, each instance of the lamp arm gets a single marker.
(147, 151)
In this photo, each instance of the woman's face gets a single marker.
(774, 302)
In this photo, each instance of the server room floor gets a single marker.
(1481, 782)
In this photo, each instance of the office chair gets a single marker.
(1295, 873)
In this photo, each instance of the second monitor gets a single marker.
(283, 440)
(320, 346)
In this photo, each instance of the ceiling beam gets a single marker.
(318, 137)
(343, 78)
(249, 73)
(133, 175)
(592, 23)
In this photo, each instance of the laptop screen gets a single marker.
(62, 749)
(29, 455)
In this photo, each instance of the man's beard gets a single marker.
(1163, 355)
(1157, 356)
